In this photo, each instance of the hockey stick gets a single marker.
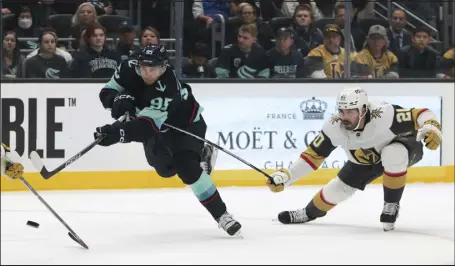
(44, 172)
(222, 149)
(71, 233)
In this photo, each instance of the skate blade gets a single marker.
(238, 234)
(388, 227)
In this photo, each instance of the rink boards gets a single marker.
(267, 124)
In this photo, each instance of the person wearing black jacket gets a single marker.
(305, 34)
(46, 64)
(94, 60)
(126, 47)
(417, 60)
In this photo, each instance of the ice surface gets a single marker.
(169, 226)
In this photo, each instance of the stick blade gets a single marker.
(36, 160)
(78, 240)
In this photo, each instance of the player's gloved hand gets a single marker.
(279, 179)
(430, 133)
(112, 134)
(10, 163)
(123, 103)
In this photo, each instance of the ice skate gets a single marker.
(389, 215)
(229, 224)
(209, 154)
(294, 217)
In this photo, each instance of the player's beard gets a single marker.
(348, 125)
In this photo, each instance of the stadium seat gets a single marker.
(61, 23)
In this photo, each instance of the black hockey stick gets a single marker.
(44, 172)
(71, 233)
(222, 149)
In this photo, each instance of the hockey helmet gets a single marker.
(153, 55)
(352, 98)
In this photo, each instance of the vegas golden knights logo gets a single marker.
(366, 156)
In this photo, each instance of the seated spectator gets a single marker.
(326, 60)
(84, 16)
(197, 66)
(236, 5)
(27, 28)
(11, 55)
(357, 37)
(247, 14)
(149, 35)
(416, 60)
(284, 58)
(306, 35)
(398, 38)
(125, 47)
(205, 10)
(61, 52)
(245, 59)
(375, 60)
(94, 59)
(288, 8)
(46, 64)
(447, 64)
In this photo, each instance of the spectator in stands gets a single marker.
(306, 35)
(447, 65)
(245, 59)
(61, 52)
(357, 37)
(326, 60)
(375, 60)
(84, 16)
(94, 59)
(236, 5)
(126, 47)
(27, 28)
(47, 63)
(247, 15)
(397, 36)
(416, 60)
(197, 66)
(11, 55)
(205, 10)
(284, 58)
(149, 35)
(288, 7)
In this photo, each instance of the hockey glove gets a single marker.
(10, 165)
(279, 179)
(112, 134)
(430, 133)
(123, 103)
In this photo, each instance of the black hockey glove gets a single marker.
(112, 134)
(123, 103)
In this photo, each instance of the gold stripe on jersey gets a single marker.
(321, 203)
(394, 181)
(312, 158)
(448, 62)
(415, 115)
(6, 147)
(365, 64)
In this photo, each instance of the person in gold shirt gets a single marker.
(375, 60)
(10, 165)
(326, 60)
(447, 65)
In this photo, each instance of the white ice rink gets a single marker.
(169, 226)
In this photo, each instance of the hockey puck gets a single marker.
(33, 224)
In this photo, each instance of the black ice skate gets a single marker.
(228, 224)
(209, 154)
(294, 217)
(389, 215)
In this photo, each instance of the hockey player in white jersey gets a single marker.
(10, 163)
(379, 139)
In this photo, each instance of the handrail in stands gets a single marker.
(218, 36)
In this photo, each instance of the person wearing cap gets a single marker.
(418, 60)
(375, 60)
(284, 58)
(196, 66)
(126, 46)
(326, 60)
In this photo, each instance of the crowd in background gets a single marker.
(263, 39)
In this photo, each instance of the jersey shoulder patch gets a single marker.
(332, 127)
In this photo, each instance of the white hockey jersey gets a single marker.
(384, 122)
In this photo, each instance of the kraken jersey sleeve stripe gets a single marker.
(158, 117)
(265, 73)
(222, 72)
(112, 84)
